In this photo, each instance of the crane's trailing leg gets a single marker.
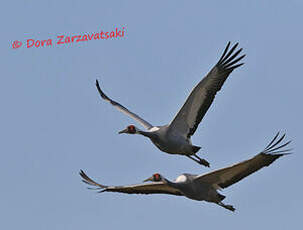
(199, 161)
(202, 161)
(229, 207)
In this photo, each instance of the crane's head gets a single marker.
(155, 178)
(131, 129)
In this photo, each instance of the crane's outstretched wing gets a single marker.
(144, 188)
(230, 175)
(188, 118)
(124, 110)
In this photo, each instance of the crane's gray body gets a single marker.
(196, 190)
(170, 141)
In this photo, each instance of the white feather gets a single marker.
(153, 129)
(181, 178)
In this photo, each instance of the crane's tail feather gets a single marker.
(196, 148)
(221, 197)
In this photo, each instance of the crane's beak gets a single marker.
(148, 179)
(123, 131)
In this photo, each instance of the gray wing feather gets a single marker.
(231, 175)
(124, 110)
(188, 118)
(144, 188)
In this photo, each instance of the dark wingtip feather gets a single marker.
(98, 86)
(229, 53)
(276, 143)
(272, 140)
(229, 65)
(227, 62)
(224, 52)
(274, 148)
(91, 182)
(83, 175)
(236, 66)
(102, 94)
(229, 58)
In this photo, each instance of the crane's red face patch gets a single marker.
(131, 129)
(157, 177)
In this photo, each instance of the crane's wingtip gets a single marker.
(102, 94)
(235, 46)
(274, 148)
(83, 175)
(229, 57)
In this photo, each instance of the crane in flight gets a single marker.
(174, 138)
(202, 187)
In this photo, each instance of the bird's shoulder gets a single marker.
(185, 178)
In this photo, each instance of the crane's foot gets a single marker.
(227, 206)
(199, 160)
(202, 161)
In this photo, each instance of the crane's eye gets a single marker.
(157, 177)
(131, 129)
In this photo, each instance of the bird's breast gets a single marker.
(173, 144)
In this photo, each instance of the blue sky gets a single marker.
(53, 122)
